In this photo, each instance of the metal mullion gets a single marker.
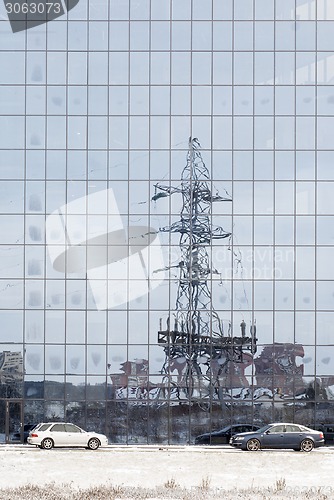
(295, 196)
(274, 194)
(169, 429)
(87, 214)
(190, 310)
(25, 217)
(315, 200)
(128, 217)
(253, 158)
(108, 180)
(66, 139)
(211, 186)
(149, 210)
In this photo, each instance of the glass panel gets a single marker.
(75, 327)
(324, 328)
(305, 326)
(243, 35)
(54, 359)
(96, 359)
(34, 326)
(34, 359)
(75, 359)
(243, 68)
(264, 35)
(54, 387)
(264, 68)
(12, 262)
(54, 410)
(75, 390)
(222, 35)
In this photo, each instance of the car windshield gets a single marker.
(264, 429)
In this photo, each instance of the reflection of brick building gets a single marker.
(231, 375)
(135, 373)
(11, 367)
(276, 368)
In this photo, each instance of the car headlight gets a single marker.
(239, 438)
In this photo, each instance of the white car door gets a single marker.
(75, 435)
(59, 435)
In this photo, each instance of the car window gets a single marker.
(227, 428)
(277, 428)
(236, 429)
(292, 428)
(43, 427)
(58, 428)
(72, 428)
(264, 429)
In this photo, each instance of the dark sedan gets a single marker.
(279, 435)
(26, 429)
(328, 431)
(224, 435)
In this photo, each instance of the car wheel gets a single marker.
(47, 444)
(253, 445)
(93, 444)
(306, 445)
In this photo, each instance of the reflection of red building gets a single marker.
(229, 374)
(275, 371)
(135, 373)
(134, 379)
(276, 368)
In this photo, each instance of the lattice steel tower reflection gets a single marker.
(197, 334)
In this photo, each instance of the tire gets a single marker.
(93, 444)
(306, 445)
(47, 444)
(253, 445)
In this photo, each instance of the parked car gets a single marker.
(279, 435)
(224, 435)
(26, 429)
(62, 434)
(328, 432)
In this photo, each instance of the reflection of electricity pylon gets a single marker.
(198, 332)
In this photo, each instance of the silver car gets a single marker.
(62, 434)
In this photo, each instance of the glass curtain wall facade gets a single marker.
(200, 130)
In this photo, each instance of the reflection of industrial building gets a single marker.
(275, 369)
(11, 367)
(133, 382)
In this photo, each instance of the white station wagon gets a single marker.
(62, 434)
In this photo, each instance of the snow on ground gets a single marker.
(150, 466)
